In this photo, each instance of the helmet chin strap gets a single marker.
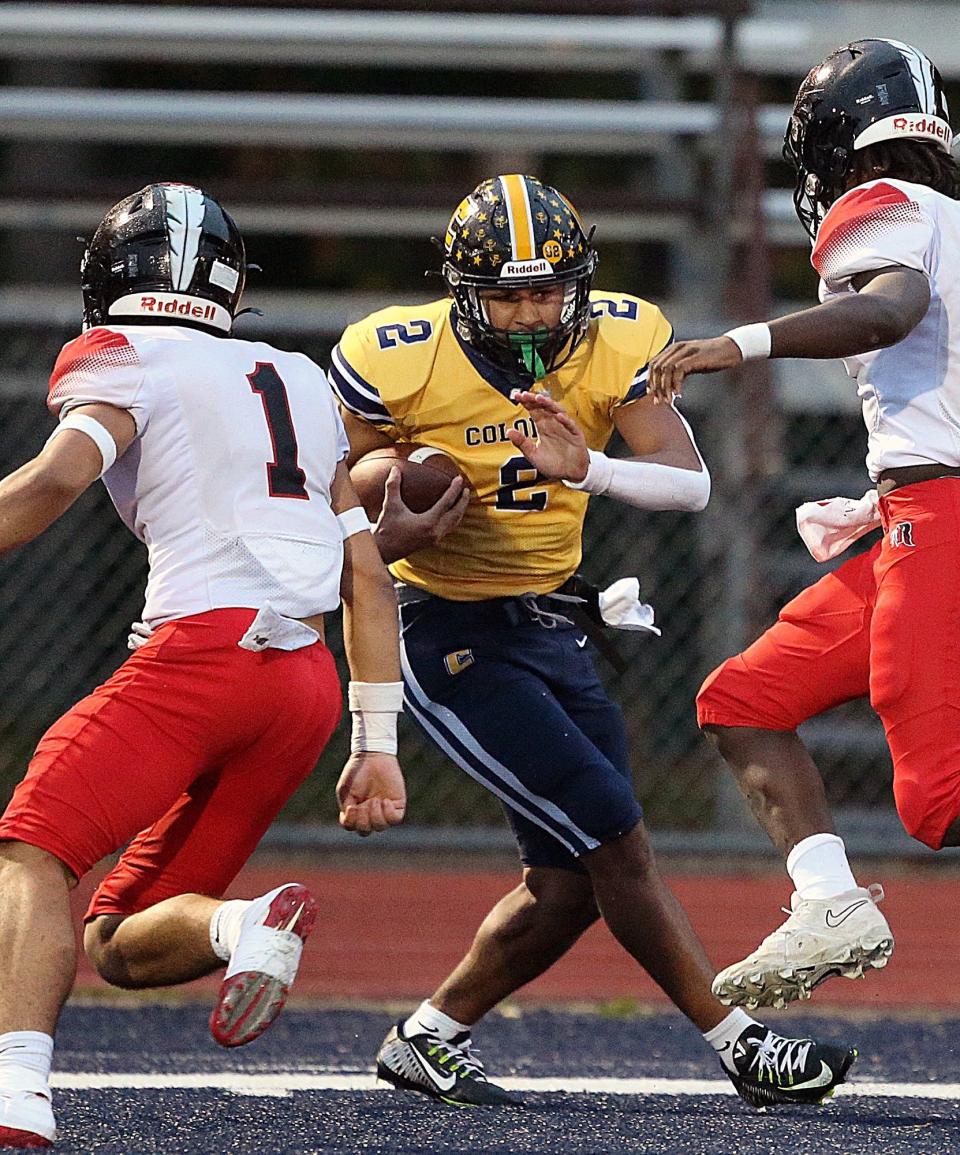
(528, 346)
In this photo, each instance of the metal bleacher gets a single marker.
(767, 43)
(684, 102)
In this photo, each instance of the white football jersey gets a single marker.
(228, 480)
(910, 391)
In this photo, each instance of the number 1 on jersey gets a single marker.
(285, 478)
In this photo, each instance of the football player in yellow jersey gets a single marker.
(522, 375)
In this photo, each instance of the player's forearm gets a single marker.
(647, 484)
(371, 639)
(370, 623)
(30, 501)
(840, 327)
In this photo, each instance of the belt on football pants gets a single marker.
(526, 608)
(891, 479)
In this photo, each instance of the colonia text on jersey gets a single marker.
(495, 433)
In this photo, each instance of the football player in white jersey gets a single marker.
(878, 191)
(226, 458)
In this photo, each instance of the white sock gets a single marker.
(25, 1058)
(819, 868)
(225, 926)
(725, 1034)
(427, 1020)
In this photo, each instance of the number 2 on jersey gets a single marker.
(285, 478)
(518, 474)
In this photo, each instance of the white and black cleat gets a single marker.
(449, 1071)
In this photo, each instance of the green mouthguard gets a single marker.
(528, 345)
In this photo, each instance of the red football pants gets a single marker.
(190, 749)
(885, 623)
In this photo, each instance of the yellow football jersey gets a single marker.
(406, 371)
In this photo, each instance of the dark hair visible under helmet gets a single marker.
(513, 232)
(866, 93)
(168, 252)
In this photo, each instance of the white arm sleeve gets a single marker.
(647, 484)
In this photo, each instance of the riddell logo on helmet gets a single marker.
(526, 268)
(184, 308)
(924, 126)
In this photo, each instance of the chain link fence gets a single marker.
(716, 579)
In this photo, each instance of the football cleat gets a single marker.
(821, 939)
(263, 966)
(14, 1138)
(770, 1069)
(449, 1071)
(26, 1120)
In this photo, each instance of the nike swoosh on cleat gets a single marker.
(293, 921)
(441, 1082)
(822, 1080)
(834, 920)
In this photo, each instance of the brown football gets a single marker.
(425, 473)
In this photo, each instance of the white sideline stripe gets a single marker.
(281, 1085)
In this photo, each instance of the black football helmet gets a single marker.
(869, 91)
(169, 253)
(513, 232)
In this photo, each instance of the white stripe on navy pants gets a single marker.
(527, 717)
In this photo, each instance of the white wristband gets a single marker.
(98, 434)
(374, 706)
(753, 341)
(353, 521)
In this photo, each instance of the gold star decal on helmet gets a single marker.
(558, 234)
(477, 259)
(481, 216)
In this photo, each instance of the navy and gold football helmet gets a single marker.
(168, 253)
(513, 232)
(867, 92)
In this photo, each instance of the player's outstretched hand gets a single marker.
(400, 532)
(371, 793)
(673, 365)
(560, 449)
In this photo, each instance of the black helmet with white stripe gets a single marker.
(867, 92)
(170, 253)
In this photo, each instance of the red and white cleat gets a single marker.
(22, 1140)
(26, 1120)
(263, 966)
